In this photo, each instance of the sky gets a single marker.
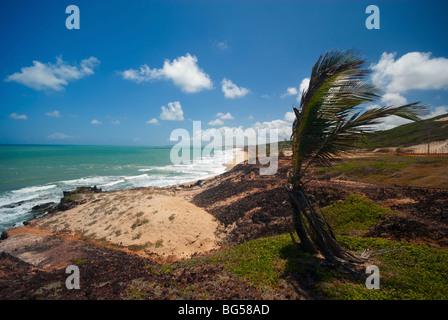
(135, 71)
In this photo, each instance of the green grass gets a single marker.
(260, 261)
(79, 262)
(363, 167)
(407, 134)
(407, 271)
(389, 170)
(355, 215)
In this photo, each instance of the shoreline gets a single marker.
(30, 214)
(159, 223)
(194, 221)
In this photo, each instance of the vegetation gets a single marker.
(355, 215)
(328, 122)
(407, 271)
(389, 170)
(407, 134)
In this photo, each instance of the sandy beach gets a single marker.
(158, 223)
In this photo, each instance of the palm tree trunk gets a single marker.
(314, 233)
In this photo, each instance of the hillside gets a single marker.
(409, 134)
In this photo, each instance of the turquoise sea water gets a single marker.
(31, 175)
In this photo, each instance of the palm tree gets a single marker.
(329, 120)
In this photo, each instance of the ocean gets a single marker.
(32, 175)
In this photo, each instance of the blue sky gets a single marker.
(137, 70)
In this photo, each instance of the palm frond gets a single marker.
(329, 119)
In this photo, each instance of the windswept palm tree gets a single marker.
(329, 120)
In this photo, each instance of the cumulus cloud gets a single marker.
(183, 71)
(394, 99)
(16, 116)
(226, 116)
(283, 127)
(153, 121)
(437, 111)
(53, 76)
(95, 122)
(394, 121)
(58, 136)
(216, 122)
(303, 87)
(290, 116)
(172, 112)
(412, 71)
(291, 91)
(116, 122)
(224, 135)
(231, 90)
(54, 114)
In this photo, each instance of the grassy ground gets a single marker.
(407, 271)
(390, 170)
(408, 134)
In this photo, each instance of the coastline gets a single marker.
(159, 223)
(240, 155)
(198, 222)
(18, 201)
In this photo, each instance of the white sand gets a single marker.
(147, 221)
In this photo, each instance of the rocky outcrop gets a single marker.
(74, 198)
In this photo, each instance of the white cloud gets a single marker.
(291, 91)
(172, 112)
(284, 128)
(303, 87)
(153, 121)
(53, 76)
(390, 122)
(394, 121)
(394, 99)
(227, 133)
(290, 116)
(58, 136)
(222, 45)
(223, 116)
(54, 114)
(95, 122)
(116, 122)
(216, 122)
(231, 90)
(16, 116)
(438, 111)
(183, 71)
(413, 71)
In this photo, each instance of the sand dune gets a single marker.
(148, 221)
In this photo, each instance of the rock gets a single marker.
(73, 198)
(43, 208)
(4, 235)
(13, 205)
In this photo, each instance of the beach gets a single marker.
(171, 242)
(153, 222)
(35, 175)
